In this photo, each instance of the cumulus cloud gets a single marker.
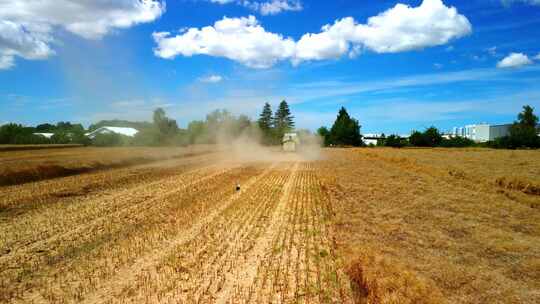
(27, 27)
(514, 60)
(272, 7)
(401, 28)
(211, 79)
(240, 39)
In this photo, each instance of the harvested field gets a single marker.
(356, 226)
(4, 148)
(17, 167)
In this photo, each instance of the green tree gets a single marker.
(431, 137)
(457, 142)
(265, 119)
(45, 128)
(61, 137)
(197, 131)
(324, 133)
(523, 133)
(345, 131)
(167, 128)
(395, 141)
(527, 119)
(283, 120)
(109, 140)
(18, 134)
(381, 141)
(417, 139)
(265, 123)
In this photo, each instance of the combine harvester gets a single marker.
(290, 142)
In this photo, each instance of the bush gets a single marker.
(457, 142)
(395, 141)
(110, 140)
(431, 137)
(417, 139)
(61, 138)
(523, 133)
(78, 137)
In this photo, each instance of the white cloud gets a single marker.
(211, 79)
(240, 39)
(222, 1)
(6, 62)
(27, 27)
(404, 28)
(514, 60)
(537, 57)
(438, 66)
(401, 28)
(272, 7)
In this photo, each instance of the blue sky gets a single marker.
(395, 65)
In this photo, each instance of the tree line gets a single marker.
(523, 133)
(221, 126)
(63, 133)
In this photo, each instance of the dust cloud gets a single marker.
(248, 148)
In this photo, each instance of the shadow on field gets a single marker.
(10, 177)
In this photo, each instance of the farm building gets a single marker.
(482, 132)
(46, 135)
(290, 142)
(130, 132)
(371, 139)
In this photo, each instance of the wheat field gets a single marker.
(354, 226)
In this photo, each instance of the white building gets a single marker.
(46, 135)
(130, 132)
(482, 132)
(371, 138)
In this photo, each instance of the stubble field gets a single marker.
(354, 226)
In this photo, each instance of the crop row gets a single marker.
(71, 266)
(197, 271)
(301, 265)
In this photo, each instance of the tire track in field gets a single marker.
(128, 275)
(79, 212)
(299, 264)
(195, 271)
(104, 202)
(250, 225)
(248, 270)
(159, 226)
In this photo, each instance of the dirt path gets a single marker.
(243, 275)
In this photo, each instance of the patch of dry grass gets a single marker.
(4, 148)
(17, 167)
(377, 279)
(440, 215)
(432, 226)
